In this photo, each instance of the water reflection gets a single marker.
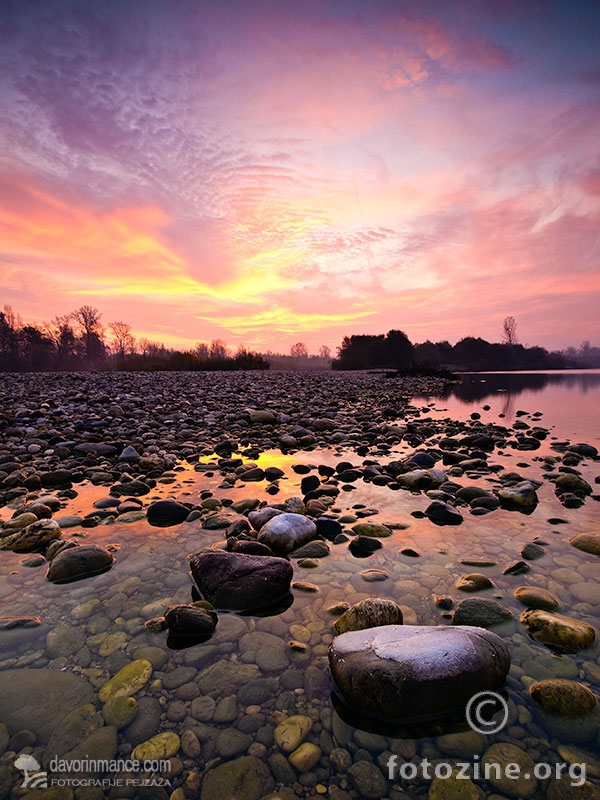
(481, 385)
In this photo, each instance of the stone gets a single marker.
(34, 537)
(371, 529)
(401, 672)
(369, 613)
(363, 546)
(532, 551)
(514, 783)
(536, 597)
(368, 780)
(563, 698)
(120, 711)
(374, 575)
(481, 612)
(128, 680)
(443, 513)
(587, 542)
(241, 582)
(146, 722)
(521, 495)
(290, 733)
(569, 482)
(474, 582)
(79, 562)
(572, 788)
(563, 634)
(72, 729)
(188, 621)
(286, 532)
(64, 641)
(232, 742)
(245, 778)
(226, 676)
(167, 512)
(315, 549)
(260, 517)
(305, 757)
(163, 745)
(454, 787)
(38, 698)
(101, 744)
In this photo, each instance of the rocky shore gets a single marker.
(211, 568)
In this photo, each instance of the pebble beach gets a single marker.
(110, 482)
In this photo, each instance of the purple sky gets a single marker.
(274, 172)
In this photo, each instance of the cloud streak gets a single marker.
(264, 173)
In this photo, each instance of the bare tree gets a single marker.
(89, 319)
(509, 328)
(325, 351)
(299, 350)
(123, 340)
(201, 351)
(218, 350)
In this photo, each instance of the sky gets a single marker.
(270, 172)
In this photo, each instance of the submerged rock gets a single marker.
(241, 582)
(79, 562)
(402, 672)
(563, 698)
(370, 613)
(474, 582)
(190, 621)
(587, 542)
(481, 612)
(245, 778)
(561, 633)
(536, 597)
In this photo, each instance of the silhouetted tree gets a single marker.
(122, 336)
(509, 328)
(89, 318)
(299, 351)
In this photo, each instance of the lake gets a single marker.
(224, 698)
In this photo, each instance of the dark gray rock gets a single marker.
(443, 513)
(241, 582)
(38, 699)
(481, 612)
(167, 512)
(402, 672)
(79, 562)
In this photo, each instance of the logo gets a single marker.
(34, 777)
(490, 703)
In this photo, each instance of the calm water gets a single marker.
(151, 573)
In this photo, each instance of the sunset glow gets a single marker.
(265, 173)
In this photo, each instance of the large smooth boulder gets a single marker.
(286, 532)
(38, 699)
(239, 581)
(79, 562)
(400, 672)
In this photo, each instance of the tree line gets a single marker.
(394, 350)
(80, 341)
